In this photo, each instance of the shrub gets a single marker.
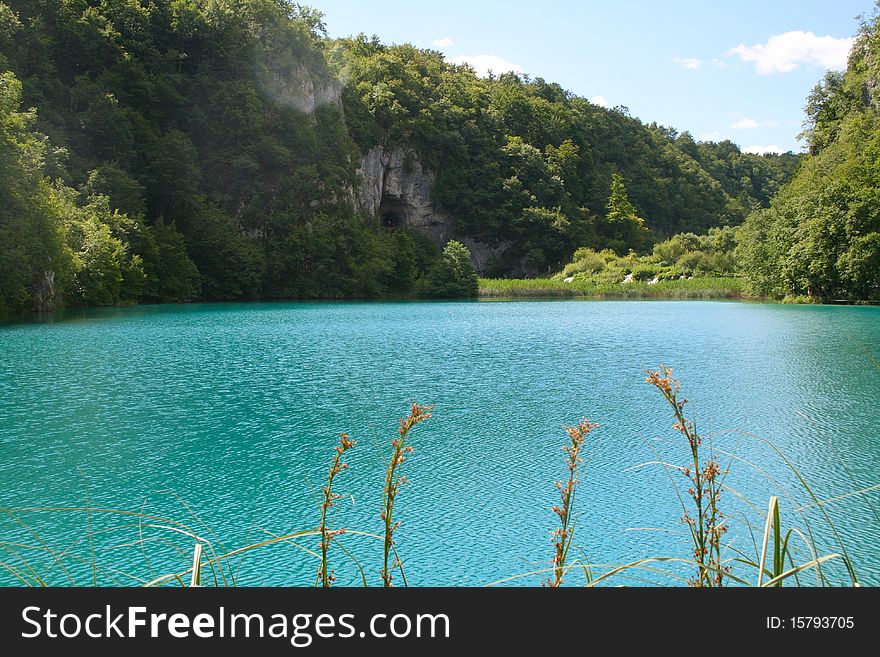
(676, 246)
(695, 262)
(585, 261)
(452, 275)
(608, 255)
(645, 272)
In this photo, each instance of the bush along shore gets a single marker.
(686, 266)
(704, 287)
(782, 548)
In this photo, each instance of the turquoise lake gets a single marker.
(236, 408)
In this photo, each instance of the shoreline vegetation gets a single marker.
(706, 288)
(709, 287)
(778, 553)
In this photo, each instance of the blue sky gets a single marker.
(735, 70)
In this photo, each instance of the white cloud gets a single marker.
(601, 101)
(445, 42)
(710, 136)
(786, 52)
(688, 62)
(763, 150)
(483, 64)
(746, 123)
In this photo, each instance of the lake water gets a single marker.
(235, 409)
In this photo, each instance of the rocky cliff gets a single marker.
(296, 85)
(396, 190)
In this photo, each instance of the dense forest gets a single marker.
(527, 163)
(172, 150)
(821, 236)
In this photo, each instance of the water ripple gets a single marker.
(236, 408)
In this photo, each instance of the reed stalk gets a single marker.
(393, 481)
(328, 498)
(563, 535)
(708, 526)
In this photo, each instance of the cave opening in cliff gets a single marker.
(391, 219)
(392, 211)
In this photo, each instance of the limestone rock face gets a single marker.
(396, 190)
(296, 86)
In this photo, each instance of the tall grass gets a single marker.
(707, 287)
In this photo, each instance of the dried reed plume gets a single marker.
(564, 534)
(393, 481)
(708, 527)
(325, 576)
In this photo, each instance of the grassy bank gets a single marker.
(706, 287)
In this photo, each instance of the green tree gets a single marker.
(176, 278)
(453, 275)
(34, 261)
(625, 230)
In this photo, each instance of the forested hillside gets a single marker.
(526, 162)
(176, 150)
(190, 167)
(821, 235)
